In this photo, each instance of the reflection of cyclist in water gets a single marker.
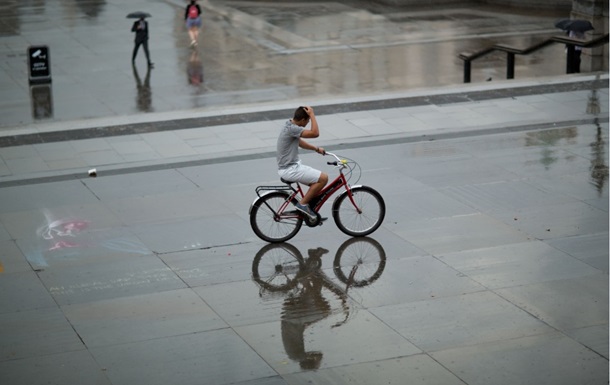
(280, 268)
(305, 307)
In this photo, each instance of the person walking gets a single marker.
(577, 50)
(192, 16)
(140, 27)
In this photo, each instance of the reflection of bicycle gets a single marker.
(281, 269)
(357, 211)
(358, 263)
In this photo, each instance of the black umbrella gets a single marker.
(574, 25)
(138, 15)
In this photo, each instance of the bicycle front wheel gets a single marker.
(267, 224)
(363, 218)
(359, 261)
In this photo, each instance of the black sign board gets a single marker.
(40, 64)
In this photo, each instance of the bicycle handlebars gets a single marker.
(338, 162)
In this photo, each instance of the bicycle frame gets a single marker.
(318, 201)
(321, 198)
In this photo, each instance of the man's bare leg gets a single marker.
(314, 189)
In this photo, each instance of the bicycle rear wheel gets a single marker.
(363, 219)
(269, 226)
(276, 266)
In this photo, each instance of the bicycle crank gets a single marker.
(318, 221)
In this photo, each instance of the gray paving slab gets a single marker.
(542, 359)
(516, 264)
(474, 231)
(410, 279)
(23, 291)
(219, 356)
(36, 333)
(139, 185)
(590, 248)
(131, 276)
(33, 197)
(420, 369)
(12, 259)
(283, 345)
(593, 337)
(76, 367)
(582, 300)
(223, 264)
(558, 220)
(470, 319)
(120, 320)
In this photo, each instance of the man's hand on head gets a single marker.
(309, 110)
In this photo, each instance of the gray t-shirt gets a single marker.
(288, 145)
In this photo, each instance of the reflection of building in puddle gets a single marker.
(550, 142)
(599, 168)
(310, 295)
(144, 96)
(593, 103)
(91, 8)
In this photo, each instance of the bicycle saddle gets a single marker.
(286, 181)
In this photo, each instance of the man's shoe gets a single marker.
(306, 210)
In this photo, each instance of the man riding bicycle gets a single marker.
(289, 165)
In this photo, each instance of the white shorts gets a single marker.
(300, 173)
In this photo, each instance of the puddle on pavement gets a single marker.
(552, 141)
(253, 52)
(309, 294)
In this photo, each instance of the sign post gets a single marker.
(39, 62)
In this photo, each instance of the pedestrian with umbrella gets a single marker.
(576, 29)
(140, 27)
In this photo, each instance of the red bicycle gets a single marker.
(357, 211)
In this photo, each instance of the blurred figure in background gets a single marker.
(140, 27)
(192, 16)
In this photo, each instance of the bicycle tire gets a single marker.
(356, 259)
(276, 266)
(354, 223)
(264, 222)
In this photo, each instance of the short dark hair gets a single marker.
(300, 114)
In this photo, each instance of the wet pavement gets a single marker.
(491, 266)
(250, 53)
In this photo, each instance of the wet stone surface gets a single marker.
(491, 265)
(498, 274)
(251, 53)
